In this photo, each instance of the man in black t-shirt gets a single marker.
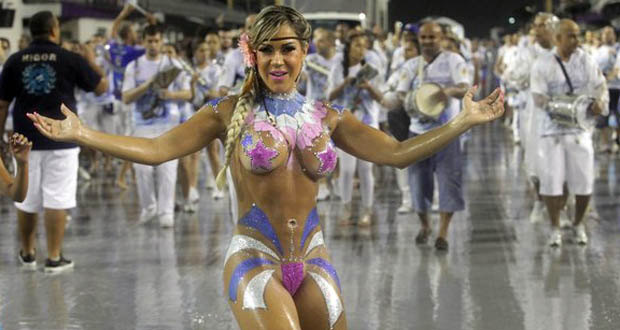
(40, 78)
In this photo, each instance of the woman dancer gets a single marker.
(16, 187)
(357, 95)
(277, 273)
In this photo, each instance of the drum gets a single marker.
(427, 101)
(572, 111)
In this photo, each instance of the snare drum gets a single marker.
(572, 111)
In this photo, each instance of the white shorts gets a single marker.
(566, 158)
(52, 180)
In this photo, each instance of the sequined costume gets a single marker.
(277, 132)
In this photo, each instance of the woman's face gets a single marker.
(279, 62)
(357, 50)
(201, 53)
(169, 51)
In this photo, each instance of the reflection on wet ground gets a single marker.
(498, 273)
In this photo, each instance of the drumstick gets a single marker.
(134, 3)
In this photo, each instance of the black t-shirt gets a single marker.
(40, 78)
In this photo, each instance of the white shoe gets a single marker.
(194, 196)
(564, 220)
(28, 263)
(404, 208)
(323, 192)
(190, 208)
(166, 221)
(217, 194)
(538, 212)
(147, 215)
(555, 239)
(581, 237)
(83, 174)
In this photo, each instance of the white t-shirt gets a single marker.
(149, 113)
(317, 82)
(233, 72)
(606, 58)
(210, 74)
(355, 99)
(398, 59)
(547, 79)
(447, 70)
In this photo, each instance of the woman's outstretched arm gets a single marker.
(372, 145)
(182, 140)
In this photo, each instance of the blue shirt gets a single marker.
(120, 56)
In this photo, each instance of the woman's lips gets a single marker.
(278, 75)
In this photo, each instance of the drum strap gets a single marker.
(422, 67)
(570, 84)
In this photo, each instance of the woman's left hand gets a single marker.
(485, 110)
(20, 147)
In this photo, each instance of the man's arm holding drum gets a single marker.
(372, 145)
(187, 138)
(599, 91)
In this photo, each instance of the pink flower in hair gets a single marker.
(244, 45)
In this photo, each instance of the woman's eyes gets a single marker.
(270, 50)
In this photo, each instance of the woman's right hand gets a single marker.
(20, 147)
(65, 130)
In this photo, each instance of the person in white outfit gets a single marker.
(565, 153)
(359, 96)
(606, 56)
(154, 112)
(204, 89)
(528, 128)
(410, 49)
(316, 72)
(448, 70)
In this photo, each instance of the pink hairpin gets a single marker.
(244, 45)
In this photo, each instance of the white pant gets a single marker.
(530, 137)
(402, 179)
(165, 177)
(52, 180)
(348, 164)
(566, 158)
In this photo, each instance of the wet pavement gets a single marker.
(498, 273)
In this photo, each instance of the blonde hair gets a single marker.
(267, 24)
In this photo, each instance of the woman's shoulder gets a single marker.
(222, 104)
(328, 108)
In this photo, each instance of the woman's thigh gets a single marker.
(279, 313)
(318, 300)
